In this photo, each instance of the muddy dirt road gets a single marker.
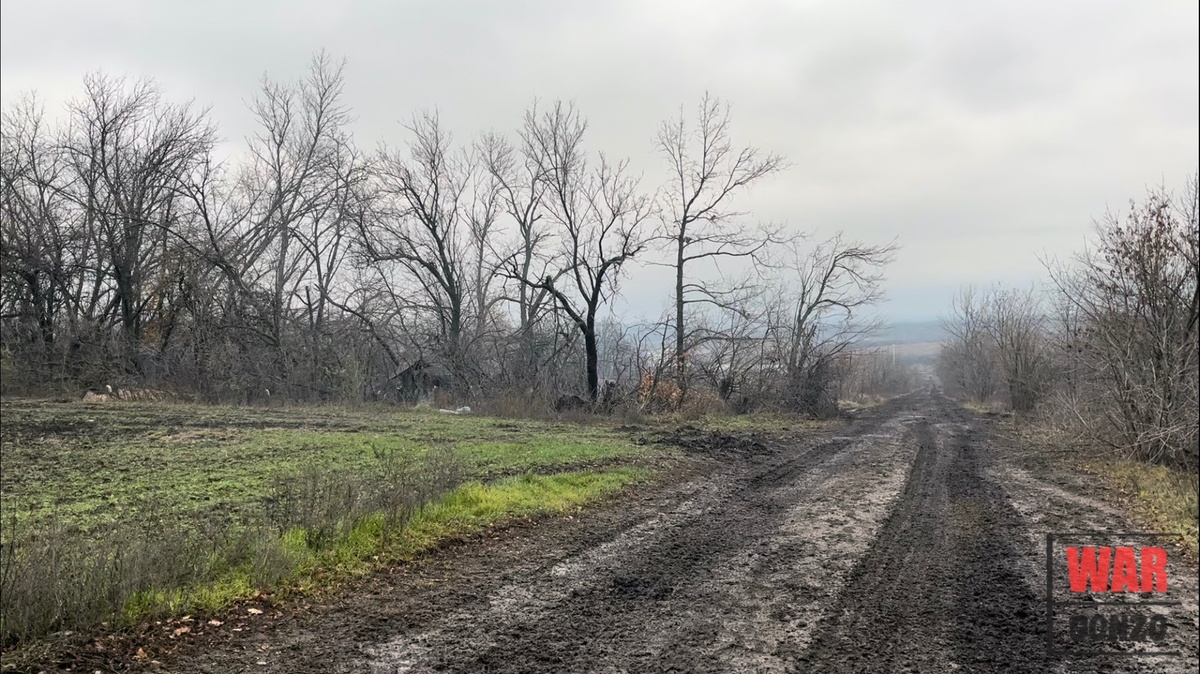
(900, 541)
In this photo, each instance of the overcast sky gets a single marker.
(982, 134)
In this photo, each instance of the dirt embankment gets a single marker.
(896, 542)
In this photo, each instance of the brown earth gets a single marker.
(907, 539)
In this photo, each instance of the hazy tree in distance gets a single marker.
(967, 361)
(1015, 325)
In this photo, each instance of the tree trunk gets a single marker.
(593, 359)
(679, 329)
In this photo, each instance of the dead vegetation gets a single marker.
(433, 270)
(1105, 367)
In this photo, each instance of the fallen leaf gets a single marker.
(215, 623)
(254, 611)
(182, 630)
(141, 654)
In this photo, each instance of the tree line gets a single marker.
(306, 268)
(1110, 349)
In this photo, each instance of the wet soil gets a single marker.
(906, 539)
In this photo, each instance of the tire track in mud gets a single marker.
(940, 588)
(889, 544)
(1045, 505)
(669, 593)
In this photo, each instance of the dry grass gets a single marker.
(55, 576)
(1165, 500)
(317, 530)
(990, 407)
(861, 402)
(1161, 499)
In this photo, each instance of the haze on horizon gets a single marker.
(983, 137)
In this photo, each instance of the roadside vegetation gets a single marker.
(95, 465)
(477, 271)
(1102, 366)
(115, 513)
(1165, 499)
(119, 512)
(352, 302)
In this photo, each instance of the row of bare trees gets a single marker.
(304, 267)
(1112, 349)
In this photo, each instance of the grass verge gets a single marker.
(1164, 499)
(1159, 498)
(991, 408)
(120, 513)
(58, 584)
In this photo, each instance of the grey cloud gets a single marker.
(981, 134)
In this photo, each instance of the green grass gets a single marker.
(125, 511)
(94, 466)
(1166, 500)
(371, 543)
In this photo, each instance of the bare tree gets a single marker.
(967, 363)
(129, 151)
(278, 232)
(731, 357)
(308, 171)
(43, 246)
(521, 189)
(598, 216)
(826, 306)
(1136, 307)
(707, 173)
(304, 269)
(426, 229)
(1015, 324)
(873, 372)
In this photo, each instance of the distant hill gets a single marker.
(916, 343)
(908, 332)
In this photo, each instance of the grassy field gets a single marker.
(95, 465)
(119, 511)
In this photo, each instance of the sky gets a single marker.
(984, 136)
